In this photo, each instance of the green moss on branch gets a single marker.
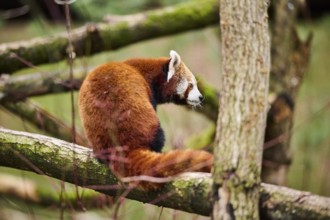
(189, 192)
(76, 164)
(95, 38)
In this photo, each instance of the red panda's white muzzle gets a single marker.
(194, 97)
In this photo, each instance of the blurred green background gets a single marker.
(200, 51)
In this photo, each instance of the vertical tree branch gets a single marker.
(290, 58)
(242, 112)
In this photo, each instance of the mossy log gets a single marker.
(76, 164)
(189, 192)
(104, 36)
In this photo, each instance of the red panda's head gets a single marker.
(182, 82)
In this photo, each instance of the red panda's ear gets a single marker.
(175, 61)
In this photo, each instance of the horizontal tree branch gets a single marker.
(17, 88)
(95, 38)
(279, 202)
(188, 192)
(76, 164)
(16, 187)
(43, 120)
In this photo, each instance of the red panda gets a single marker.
(117, 104)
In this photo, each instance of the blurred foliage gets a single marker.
(200, 51)
(95, 10)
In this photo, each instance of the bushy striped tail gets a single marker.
(147, 169)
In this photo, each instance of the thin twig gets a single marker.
(71, 55)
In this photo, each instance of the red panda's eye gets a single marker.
(191, 86)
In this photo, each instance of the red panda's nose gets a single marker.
(201, 98)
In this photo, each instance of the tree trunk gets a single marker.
(242, 112)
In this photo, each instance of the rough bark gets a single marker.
(95, 38)
(242, 113)
(189, 192)
(290, 58)
(278, 202)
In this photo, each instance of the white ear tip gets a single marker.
(173, 53)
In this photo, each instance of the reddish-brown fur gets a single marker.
(116, 110)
